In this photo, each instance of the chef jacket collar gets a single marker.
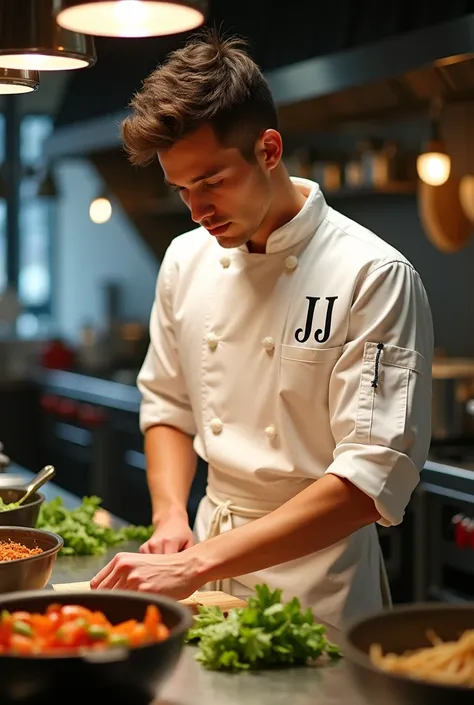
(304, 224)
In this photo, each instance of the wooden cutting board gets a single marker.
(208, 599)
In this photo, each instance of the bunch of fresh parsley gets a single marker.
(81, 534)
(265, 633)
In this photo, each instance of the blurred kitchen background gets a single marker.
(377, 105)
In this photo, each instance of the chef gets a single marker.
(290, 348)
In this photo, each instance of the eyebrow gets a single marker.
(206, 175)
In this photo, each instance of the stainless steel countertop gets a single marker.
(191, 684)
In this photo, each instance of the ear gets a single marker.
(269, 148)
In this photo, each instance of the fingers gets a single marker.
(103, 574)
(171, 545)
(145, 547)
(109, 576)
(190, 542)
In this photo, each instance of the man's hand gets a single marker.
(174, 575)
(172, 535)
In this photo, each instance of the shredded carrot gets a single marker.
(11, 551)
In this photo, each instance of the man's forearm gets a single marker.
(171, 466)
(318, 517)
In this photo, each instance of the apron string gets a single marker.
(221, 522)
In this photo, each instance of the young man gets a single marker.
(290, 348)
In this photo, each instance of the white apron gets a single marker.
(332, 582)
(312, 358)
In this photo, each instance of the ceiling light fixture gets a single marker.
(434, 163)
(100, 209)
(32, 39)
(131, 18)
(18, 81)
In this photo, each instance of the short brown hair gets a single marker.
(210, 80)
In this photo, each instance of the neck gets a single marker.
(287, 203)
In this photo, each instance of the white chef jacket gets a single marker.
(312, 358)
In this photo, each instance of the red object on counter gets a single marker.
(67, 407)
(463, 533)
(57, 355)
(90, 415)
(49, 402)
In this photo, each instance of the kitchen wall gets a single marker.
(87, 255)
(448, 278)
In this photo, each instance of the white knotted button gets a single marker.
(291, 262)
(216, 426)
(271, 433)
(225, 261)
(269, 344)
(212, 340)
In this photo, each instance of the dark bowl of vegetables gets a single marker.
(88, 646)
(22, 515)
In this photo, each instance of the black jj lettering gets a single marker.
(327, 323)
(309, 320)
(320, 336)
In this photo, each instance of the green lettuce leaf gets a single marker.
(265, 633)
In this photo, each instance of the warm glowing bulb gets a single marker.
(14, 88)
(100, 210)
(41, 62)
(130, 18)
(433, 168)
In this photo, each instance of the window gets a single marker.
(35, 227)
(34, 130)
(36, 221)
(34, 281)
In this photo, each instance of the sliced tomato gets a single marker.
(22, 644)
(72, 634)
(152, 618)
(125, 628)
(72, 612)
(139, 635)
(22, 616)
(42, 624)
(99, 618)
(162, 632)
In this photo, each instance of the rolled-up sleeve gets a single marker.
(165, 398)
(380, 389)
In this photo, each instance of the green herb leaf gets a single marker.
(265, 633)
(81, 534)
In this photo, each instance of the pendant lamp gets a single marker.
(32, 39)
(18, 81)
(433, 164)
(131, 18)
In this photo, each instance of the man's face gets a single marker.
(226, 194)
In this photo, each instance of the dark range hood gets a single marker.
(393, 77)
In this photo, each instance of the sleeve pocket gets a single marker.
(391, 379)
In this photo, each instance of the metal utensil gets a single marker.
(47, 473)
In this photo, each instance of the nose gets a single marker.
(199, 205)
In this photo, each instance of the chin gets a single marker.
(231, 241)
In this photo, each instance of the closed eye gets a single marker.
(213, 184)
